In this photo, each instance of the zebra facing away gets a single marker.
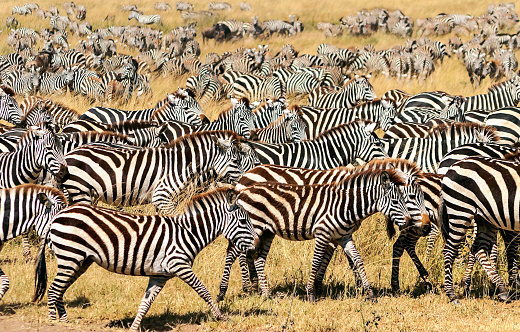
(286, 210)
(39, 204)
(484, 190)
(165, 249)
(145, 19)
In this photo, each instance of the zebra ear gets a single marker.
(370, 128)
(385, 178)
(231, 196)
(254, 105)
(234, 101)
(42, 197)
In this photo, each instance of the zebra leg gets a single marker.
(266, 241)
(231, 255)
(397, 252)
(511, 240)
(466, 279)
(26, 247)
(432, 238)
(4, 280)
(320, 248)
(253, 275)
(410, 245)
(244, 264)
(327, 256)
(65, 277)
(155, 285)
(350, 249)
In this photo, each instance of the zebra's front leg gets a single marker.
(265, 246)
(350, 249)
(4, 280)
(155, 285)
(26, 247)
(320, 248)
(409, 245)
(430, 242)
(231, 255)
(512, 242)
(318, 283)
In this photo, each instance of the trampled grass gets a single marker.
(100, 299)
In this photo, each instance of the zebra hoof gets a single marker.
(220, 298)
(221, 317)
(429, 286)
(504, 297)
(311, 297)
(455, 301)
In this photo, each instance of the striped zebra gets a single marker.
(369, 62)
(298, 176)
(96, 176)
(354, 92)
(411, 129)
(434, 100)
(21, 10)
(319, 120)
(451, 111)
(268, 112)
(507, 122)
(51, 83)
(61, 113)
(428, 152)
(68, 59)
(219, 6)
(70, 141)
(257, 87)
(479, 149)
(165, 250)
(9, 109)
(38, 114)
(22, 82)
(289, 128)
(465, 193)
(145, 19)
(38, 149)
(284, 210)
(504, 94)
(335, 147)
(301, 83)
(39, 204)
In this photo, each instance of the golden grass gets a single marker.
(102, 299)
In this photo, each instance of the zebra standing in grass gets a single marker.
(504, 94)
(289, 128)
(145, 19)
(96, 176)
(335, 147)
(319, 120)
(25, 207)
(9, 109)
(21, 10)
(428, 152)
(357, 90)
(466, 189)
(359, 195)
(257, 87)
(166, 249)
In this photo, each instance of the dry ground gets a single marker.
(101, 301)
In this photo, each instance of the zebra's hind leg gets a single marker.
(155, 285)
(266, 241)
(26, 247)
(318, 282)
(430, 242)
(66, 275)
(512, 242)
(231, 255)
(320, 248)
(4, 280)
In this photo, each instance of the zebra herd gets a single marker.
(316, 169)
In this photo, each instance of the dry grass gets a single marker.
(102, 299)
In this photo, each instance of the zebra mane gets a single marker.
(408, 167)
(371, 174)
(7, 90)
(206, 199)
(132, 125)
(498, 86)
(186, 139)
(262, 105)
(355, 123)
(225, 112)
(49, 191)
(462, 128)
(102, 134)
(296, 109)
(62, 106)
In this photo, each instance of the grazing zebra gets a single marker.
(492, 150)
(507, 122)
(62, 114)
(298, 176)
(166, 249)
(466, 189)
(435, 100)
(145, 19)
(428, 152)
(289, 128)
(101, 173)
(318, 120)
(9, 109)
(451, 111)
(335, 147)
(183, 6)
(284, 210)
(21, 10)
(219, 6)
(26, 207)
(38, 149)
(257, 87)
(355, 91)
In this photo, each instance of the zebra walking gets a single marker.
(26, 207)
(166, 249)
(145, 19)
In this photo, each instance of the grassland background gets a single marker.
(100, 300)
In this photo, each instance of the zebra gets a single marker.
(301, 83)
(465, 193)
(62, 114)
(298, 176)
(68, 59)
(70, 141)
(256, 87)
(435, 100)
(504, 94)
(9, 109)
(55, 83)
(268, 112)
(338, 146)
(428, 152)
(371, 63)
(166, 250)
(411, 129)
(360, 195)
(38, 149)
(40, 204)
(318, 119)
(219, 6)
(21, 10)
(289, 128)
(183, 6)
(451, 111)
(23, 83)
(479, 149)
(507, 122)
(145, 19)
(95, 177)
(355, 91)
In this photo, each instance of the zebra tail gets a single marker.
(40, 275)
(444, 222)
(390, 229)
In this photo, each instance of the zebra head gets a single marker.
(53, 201)
(295, 126)
(269, 112)
(9, 109)
(242, 116)
(49, 153)
(364, 91)
(388, 114)
(454, 110)
(239, 228)
(247, 157)
(226, 160)
(391, 202)
(179, 108)
(369, 145)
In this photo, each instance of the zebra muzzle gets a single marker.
(63, 174)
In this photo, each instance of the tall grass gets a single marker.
(100, 299)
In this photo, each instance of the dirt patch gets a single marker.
(17, 325)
